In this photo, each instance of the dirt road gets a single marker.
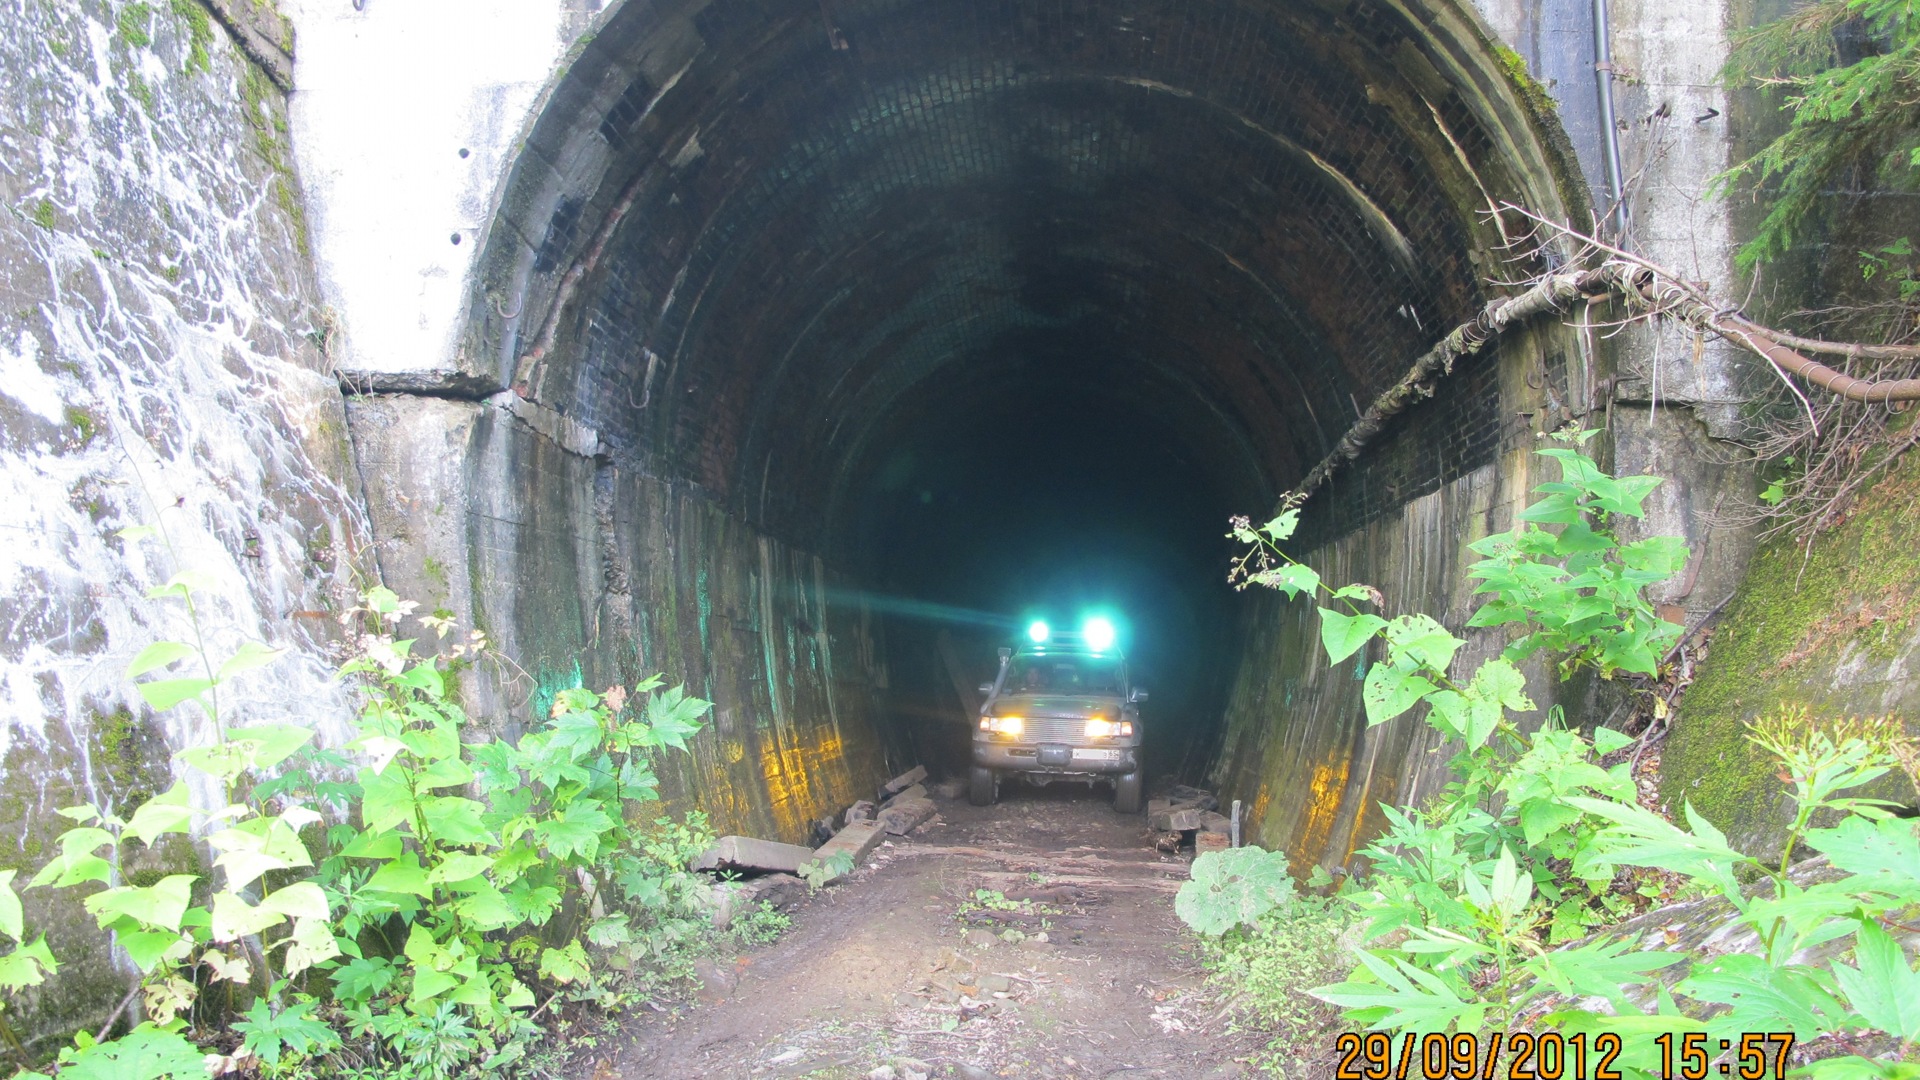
(918, 963)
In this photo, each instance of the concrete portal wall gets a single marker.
(584, 573)
(159, 365)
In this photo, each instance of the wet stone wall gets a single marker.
(1298, 752)
(588, 573)
(159, 365)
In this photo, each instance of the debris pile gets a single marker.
(767, 871)
(1189, 817)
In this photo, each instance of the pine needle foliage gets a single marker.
(1844, 110)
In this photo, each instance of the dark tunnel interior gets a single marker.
(1006, 305)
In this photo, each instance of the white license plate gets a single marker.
(1096, 755)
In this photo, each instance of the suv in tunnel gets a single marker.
(1060, 711)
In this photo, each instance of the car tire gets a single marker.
(1127, 791)
(982, 786)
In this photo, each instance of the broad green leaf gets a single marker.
(1541, 817)
(1607, 740)
(28, 965)
(234, 918)
(149, 949)
(486, 909)
(1640, 837)
(1884, 989)
(568, 965)
(1344, 635)
(156, 656)
(1414, 1001)
(456, 819)
(575, 832)
(1354, 592)
(160, 905)
(675, 717)
(1233, 887)
(1500, 682)
(1281, 528)
(362, 978)
(1421, 640)
(386, 800)
(1602, 969)
(459, 867)
(246, 853)
(1764, 997)
(312, 942)
(145, 1053)
(1885, 854)
(300, 900)
(164, 694)
(402, 875)
(77, 862)
(270, 744)
(247, 657)
(1556, 509)
(372, 845)
(1389, 691)
(183, 585)
(1292, 579)
(222, 761)
(167, 812)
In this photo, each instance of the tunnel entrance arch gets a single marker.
(817, 319)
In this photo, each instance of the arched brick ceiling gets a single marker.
(1235, 218)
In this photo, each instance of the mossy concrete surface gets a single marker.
(1832, 628)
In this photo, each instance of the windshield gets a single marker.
(1063, 675)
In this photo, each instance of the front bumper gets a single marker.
(1056, 757)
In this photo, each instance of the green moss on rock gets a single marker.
(135, 23)
(199, 34)
(1823, 628)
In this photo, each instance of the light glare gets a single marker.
(1099, 634)
(1039, 631)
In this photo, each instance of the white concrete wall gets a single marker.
(386, 100)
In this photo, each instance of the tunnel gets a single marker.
(839, 334)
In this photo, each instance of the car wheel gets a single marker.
(983, 786)
(1127, 791)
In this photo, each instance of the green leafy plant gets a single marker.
(1235, 887)
(1863, 111)
(1529, 845)
(818, 873)
(435, 880)
(1264, 969)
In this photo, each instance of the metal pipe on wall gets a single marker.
(1609, 129)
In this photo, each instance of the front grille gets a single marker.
(1050, 729)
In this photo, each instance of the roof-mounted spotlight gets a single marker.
(1098, 634)
(1039, 631)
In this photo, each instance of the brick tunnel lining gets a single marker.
(852, 293)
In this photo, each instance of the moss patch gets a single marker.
(43, 214)
(1817, 629)
(199, 34)
(1534, 94)
(135, 24)
(263, 108)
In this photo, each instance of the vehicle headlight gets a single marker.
(1099, 729)
(1002, 725)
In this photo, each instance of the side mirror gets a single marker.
(1138, 695)
(1005, 653)
(986, 688)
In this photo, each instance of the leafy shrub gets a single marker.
(1235, 887)
(398, 902)
(1464, 895)
(1264, 969)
